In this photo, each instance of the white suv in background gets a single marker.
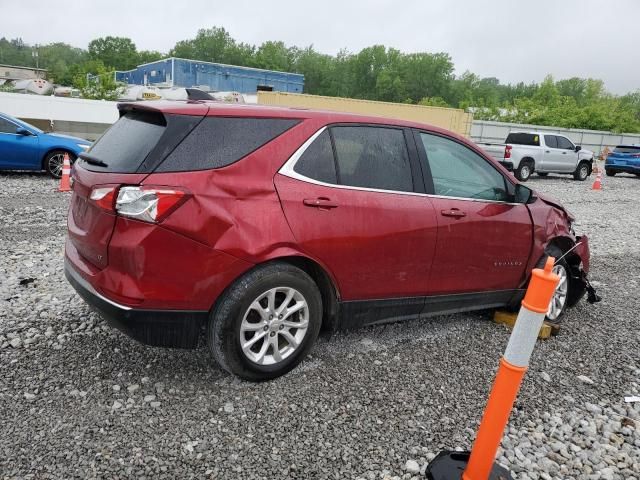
(543, 153)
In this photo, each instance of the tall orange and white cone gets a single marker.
(65, 184)
(480, 463)
(597, 185)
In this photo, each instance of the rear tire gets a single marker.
(558, 305)
(582, 172)
(53, 162)
(524, 171)
(250, 333)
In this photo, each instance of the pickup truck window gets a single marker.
(565, 143)
(551, 141)
(530, 139)
(459, 172)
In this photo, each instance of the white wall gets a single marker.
(43, 107)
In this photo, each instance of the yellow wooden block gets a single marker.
(504, 317)
(509, 319)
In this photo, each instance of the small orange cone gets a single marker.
(65, 184)
(597, 185)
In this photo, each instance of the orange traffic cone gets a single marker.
(597, 185)
(65, 184)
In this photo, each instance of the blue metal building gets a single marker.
(180, 72)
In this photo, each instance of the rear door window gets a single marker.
(317, 161)
(372, 157)
(220, 141)
(529, 139)
(550, 141)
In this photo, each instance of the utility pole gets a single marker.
(34, 54)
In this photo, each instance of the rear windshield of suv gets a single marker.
(627, 149)
(127, 143)
(146, 141)
(530, 139)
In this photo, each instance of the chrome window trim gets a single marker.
(288, 171)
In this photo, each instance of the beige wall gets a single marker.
(452, 119)
(16, 73)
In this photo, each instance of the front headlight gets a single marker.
(83, 146)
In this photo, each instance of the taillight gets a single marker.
(149, 204)
(103, 197)
(507, 151)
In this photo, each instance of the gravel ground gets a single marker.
(80, 400)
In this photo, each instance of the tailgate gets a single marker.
(90, 227)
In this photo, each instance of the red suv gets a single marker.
(262, 225)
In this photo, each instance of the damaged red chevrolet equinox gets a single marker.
(260, 225)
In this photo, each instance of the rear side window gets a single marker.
(317, 160)
(551, 141)
(372, 157)
(127, 143)
(220, 141)
(627, 149)
(529, 139)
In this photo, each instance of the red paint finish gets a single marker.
(486, 249)
(373, 245)
(377, 245)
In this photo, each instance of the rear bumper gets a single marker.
(507, 165)
(160, 328)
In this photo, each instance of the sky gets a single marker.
(509, 39)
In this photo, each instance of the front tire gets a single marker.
(582, 172)
(543, 174)
(266, 322)
(54, 160)
(524, 171)
(610, 173)
(558, 304)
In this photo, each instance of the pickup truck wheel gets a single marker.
(524, 171)
(582, 172)
(542, 174)
(610, 173)
(558, 304)
(266, 322)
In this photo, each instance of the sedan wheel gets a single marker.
(54, 162)
(274, 326)
(559, 298)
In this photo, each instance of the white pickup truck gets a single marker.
(541, 152)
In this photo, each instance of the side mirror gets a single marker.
(578, 148)
(523, 194)
(23, 131)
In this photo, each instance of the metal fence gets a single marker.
(483, 131)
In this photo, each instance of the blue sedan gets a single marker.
(25, 147)
(624, 158)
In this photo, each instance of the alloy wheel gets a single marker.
(274, 326)
(55, 164)
(560, 295)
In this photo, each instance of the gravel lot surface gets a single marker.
(80, 400)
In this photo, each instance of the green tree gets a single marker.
(118, 53)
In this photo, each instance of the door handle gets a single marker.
(547, 151)
(320, 202)
(453, 212)
(564, 153)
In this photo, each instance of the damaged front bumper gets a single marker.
(578, 271)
